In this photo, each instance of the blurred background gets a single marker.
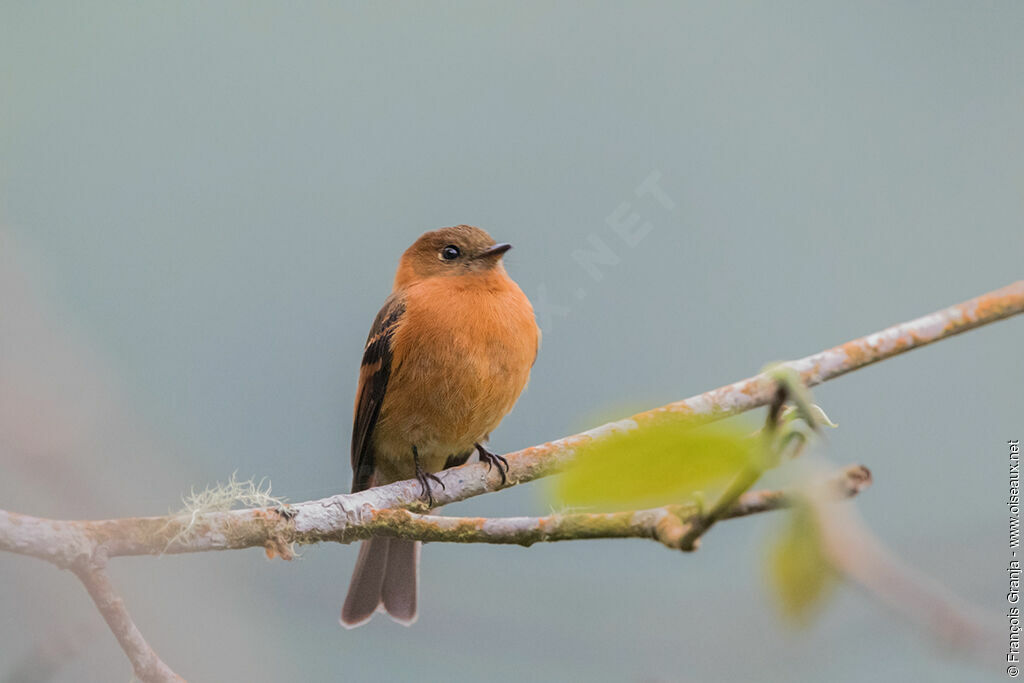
(201, 209)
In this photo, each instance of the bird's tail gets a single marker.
(386, 575)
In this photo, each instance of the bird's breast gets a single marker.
(461, 357)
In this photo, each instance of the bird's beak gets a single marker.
(495, 251)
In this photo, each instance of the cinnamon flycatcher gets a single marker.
(445, 361)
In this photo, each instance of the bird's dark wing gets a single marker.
(373, 383)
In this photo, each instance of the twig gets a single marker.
(787, 387)
(147, 665)
(702, 523)
(865, 560)
(746, 478)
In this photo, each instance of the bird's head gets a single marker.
(460, 250)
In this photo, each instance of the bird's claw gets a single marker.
(424, 477)
(493, 459)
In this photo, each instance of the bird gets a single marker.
(446, 359)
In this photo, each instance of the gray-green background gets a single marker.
(202, 204)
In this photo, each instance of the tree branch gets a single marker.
(276, 530)
(551, 457)
(147, 665)
(669, 524)
(384, 510)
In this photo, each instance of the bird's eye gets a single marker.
(450, 253)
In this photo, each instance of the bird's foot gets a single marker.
(493, 459)
(424, 478)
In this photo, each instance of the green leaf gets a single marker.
(665, 462)
(800, 571)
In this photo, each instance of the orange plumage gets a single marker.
(446, 359)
